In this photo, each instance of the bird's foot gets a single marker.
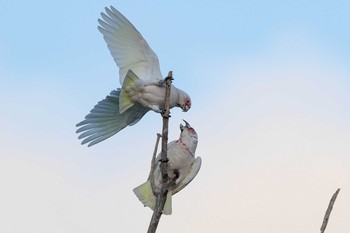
(168, 78)
(165, 114)
(162, 83)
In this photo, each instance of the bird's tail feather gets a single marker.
(104, 120)
(125, 102)
(145, 194)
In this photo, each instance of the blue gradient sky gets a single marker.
(270, 84)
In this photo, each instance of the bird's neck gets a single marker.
(190, 144)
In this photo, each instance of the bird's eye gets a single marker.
(187, 100)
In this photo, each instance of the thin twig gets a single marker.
(161, 196)
(328, 211)
(153, 164)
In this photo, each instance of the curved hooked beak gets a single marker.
(187, 125)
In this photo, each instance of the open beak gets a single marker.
(187, 125)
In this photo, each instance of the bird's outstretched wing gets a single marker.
(104, 120)
(190, 176)
(127, 46)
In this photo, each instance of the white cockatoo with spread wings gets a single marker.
(142, 88)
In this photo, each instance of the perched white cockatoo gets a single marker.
(140, 77)
(182, 167)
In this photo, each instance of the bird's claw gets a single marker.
(168, 78)
(162, 83)
(165, 113)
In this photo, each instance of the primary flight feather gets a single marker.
(140, 78)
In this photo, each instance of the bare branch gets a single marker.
(153, 164)
(161, 196)
(328, 211)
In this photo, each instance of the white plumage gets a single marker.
(140, 79)
(128, 48)
(182, 167)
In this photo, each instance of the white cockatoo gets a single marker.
(141, 81)
(182, 167)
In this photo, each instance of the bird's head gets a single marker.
(184, 101)
(188, 136)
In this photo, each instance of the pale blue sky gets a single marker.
(270, 84)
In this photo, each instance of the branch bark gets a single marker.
(153, 164)
(328, 211)
(161, 196)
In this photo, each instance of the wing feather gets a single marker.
(190, 176)
(129, 49)
(104, 120)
